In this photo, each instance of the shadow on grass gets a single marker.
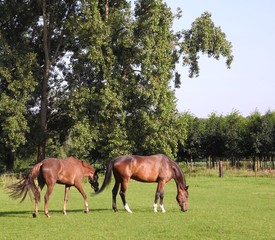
(41, 213)
(14, 213)
(22, 214)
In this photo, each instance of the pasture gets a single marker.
(234, 207)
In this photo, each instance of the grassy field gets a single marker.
(226, 208)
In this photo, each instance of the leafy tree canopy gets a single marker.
(93, 78)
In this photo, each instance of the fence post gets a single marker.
(220, 168)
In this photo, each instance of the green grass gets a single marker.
(226, 208)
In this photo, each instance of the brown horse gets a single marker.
(156, 168)
(69, 172)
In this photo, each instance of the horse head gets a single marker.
(182, 198)
(93, 180)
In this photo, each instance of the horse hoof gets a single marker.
(162, 209)
(126, 207)
(34, 215)
(86, 211)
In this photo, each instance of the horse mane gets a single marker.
(178, 174)
(87, 165)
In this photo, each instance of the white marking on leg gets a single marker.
(162, 208)
(155, 207)
(127, 208)
(86, 207)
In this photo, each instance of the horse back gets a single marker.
(66, 171)
(144, 168)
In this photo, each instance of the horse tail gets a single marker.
(26, 185)
(108, 177)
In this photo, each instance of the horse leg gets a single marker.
(114, 193)
(81, 190)
(67, 189)
(41, 184)
(161, 202)
(122, 192)
(36, 199)
(46, 199)
(159, 195)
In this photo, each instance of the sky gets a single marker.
(249, 85)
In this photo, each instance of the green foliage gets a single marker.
(230, 137)
(204, 37)
(81, 140)
(14, 125)
(17, 81)
(92, 78)
(192, 147)
(260, 133)
(213, 136)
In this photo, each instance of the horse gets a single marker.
(69, 172)
(156, 168)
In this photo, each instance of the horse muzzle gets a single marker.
(184, 208)
(95, 187)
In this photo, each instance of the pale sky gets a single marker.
(250, 83)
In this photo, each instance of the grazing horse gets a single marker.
(156, 168)
(69, 172)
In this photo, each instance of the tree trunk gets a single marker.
(233, 162)
(41, 153)
(209, 161)
(190, 166)
(107, 11)
(9, 161)
(254, 164)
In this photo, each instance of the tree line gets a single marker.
(93, 79)
(231, 137)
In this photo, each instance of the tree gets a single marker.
(132, 64)
(269, 118)
(95, 87)
(257, 137)
(233, 136)
(152, 115)
(54, 41)
(214, 137)
(191, 147)
(17, 81)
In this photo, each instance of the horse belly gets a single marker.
(66, 178)
(145, 176)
